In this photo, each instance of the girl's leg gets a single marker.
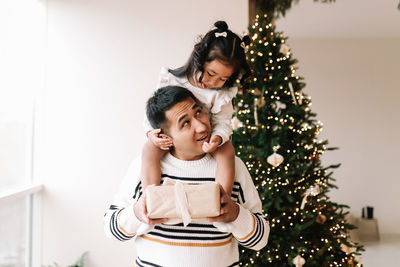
(225, 157)
(151, 169)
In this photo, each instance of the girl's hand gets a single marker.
(212, 145)
(160, 140)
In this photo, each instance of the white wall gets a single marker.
(354, 85)
(103, 63)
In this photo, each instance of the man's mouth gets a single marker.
(203, 138)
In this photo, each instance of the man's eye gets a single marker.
(185, 123)
(198, 112)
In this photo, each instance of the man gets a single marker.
(207, 243)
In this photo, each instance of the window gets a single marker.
(22, 33)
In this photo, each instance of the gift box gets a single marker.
(177, 200)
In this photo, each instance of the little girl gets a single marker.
(216, 62)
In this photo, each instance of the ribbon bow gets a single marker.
(218, 34)
(182, 206)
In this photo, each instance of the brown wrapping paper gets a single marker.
(203, 201)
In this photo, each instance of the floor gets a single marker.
(382, 253)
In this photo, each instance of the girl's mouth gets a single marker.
(203, 85)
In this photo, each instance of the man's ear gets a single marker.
(165, 129)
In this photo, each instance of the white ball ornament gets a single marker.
(299, 261)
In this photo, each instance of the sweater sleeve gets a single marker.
(120, 222)
(221, 113)
(250, 228)
(221, 122)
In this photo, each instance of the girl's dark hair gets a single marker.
(227, 49)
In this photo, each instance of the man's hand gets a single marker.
(229, 209)
(212, 145)
(140, 211)
(160, 140)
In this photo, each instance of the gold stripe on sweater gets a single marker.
(187, 244)
(252, 231)
(122, 229)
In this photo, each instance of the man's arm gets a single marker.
(249, 227)
(120, 221)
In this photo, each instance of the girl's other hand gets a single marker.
(160, 140)
(212, 145)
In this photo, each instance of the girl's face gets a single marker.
(216, 73)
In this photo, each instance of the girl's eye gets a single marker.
(209, 74)
(223, 79)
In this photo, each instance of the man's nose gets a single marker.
(199, 126)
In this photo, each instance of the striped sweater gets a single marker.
(201, 243)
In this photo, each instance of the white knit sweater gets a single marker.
(200, 244)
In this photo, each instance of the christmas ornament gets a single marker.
(284, 49)
(278, 106)
(255, 111)
(299, 261)
(301, 99)
(292, 93)
(236, 123)
(346, 249)
(261, 102)
(321, 219)
(314, 190)
(275, 159)
(257, 91)
(350, 262)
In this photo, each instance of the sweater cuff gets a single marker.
(128, 222)
(242, 227)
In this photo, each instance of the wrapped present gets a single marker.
(176, 200)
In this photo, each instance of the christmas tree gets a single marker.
(275, 134)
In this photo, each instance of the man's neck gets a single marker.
(183, 156)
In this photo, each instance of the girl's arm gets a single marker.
(221, 114)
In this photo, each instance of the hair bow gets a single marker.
(244, 46)
(218, 34)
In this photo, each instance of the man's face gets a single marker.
(189, 127)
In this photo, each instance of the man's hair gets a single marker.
(162, 100)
